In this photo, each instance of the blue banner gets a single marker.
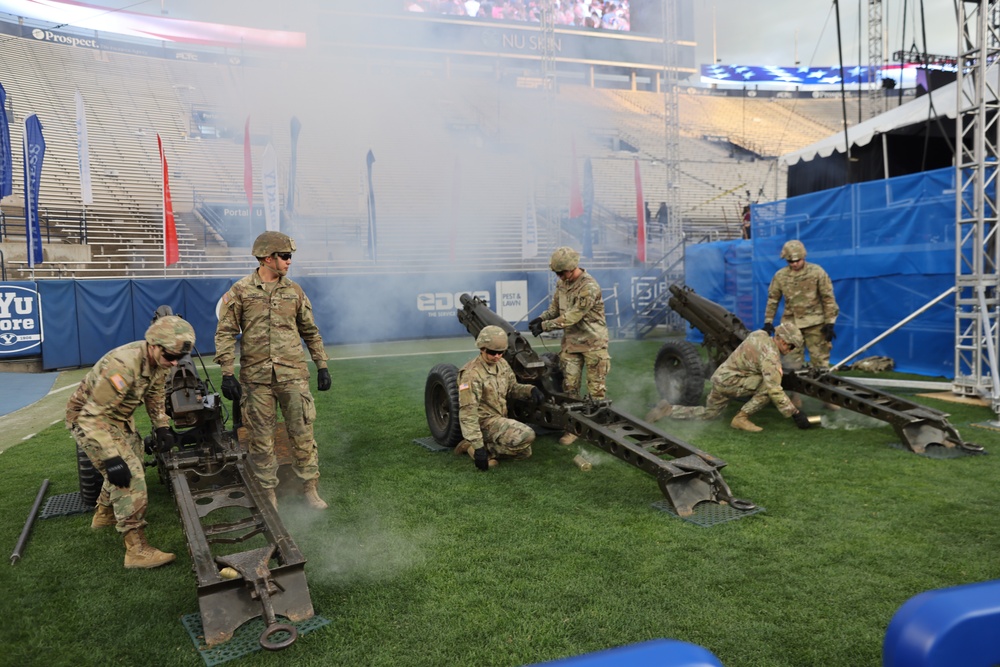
(20, 320)
(34, 153)
(6, 166)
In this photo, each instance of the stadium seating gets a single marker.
(456, 160)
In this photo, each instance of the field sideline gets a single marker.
(422, 560)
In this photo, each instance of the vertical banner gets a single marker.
(575, 200)
(588, 209)
(529, 226)
(292, 165)
(247, 166)
(34, 153)
(372, 230)
(6, 160)
(269, 187)
(640, 217)
(171, 253)
(456, 188)
(83, 153)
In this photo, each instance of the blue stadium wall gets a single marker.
(83, 319)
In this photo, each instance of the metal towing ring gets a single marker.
(265, 637)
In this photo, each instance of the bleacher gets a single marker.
(456, 161)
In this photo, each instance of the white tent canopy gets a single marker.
(915, 111)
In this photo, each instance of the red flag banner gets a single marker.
(247, 167)
(640, 216)
(170, 252)
(575, 198)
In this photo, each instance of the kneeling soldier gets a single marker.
(753, 370)
(484, 386)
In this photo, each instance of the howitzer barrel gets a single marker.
(723, 330)
(475, 315)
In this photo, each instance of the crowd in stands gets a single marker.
(582, 13)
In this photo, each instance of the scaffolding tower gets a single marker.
(977, 282)
(876, 98)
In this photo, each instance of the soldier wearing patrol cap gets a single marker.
(485, 384)
(275, 316)
(100, 416)
(578, 309)
(752, 371)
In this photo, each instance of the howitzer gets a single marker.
(689, 478)
(206, 472)
(680, 378)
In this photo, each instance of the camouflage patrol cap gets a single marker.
(789, 333)
(269, 243)
(564, 259)
(492, 338)
(793, 251)
(172, 333)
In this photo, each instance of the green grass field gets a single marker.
(422, 560)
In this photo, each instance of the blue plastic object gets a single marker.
(946, 628)
(654, 653)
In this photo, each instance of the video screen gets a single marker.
(576, 13)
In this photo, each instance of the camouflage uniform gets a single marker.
(753, 369)
(578, 308)
(100, 416)
(809, 304)
(275, 318)
(483, 390)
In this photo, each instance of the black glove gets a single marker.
(769, 328)
(117, 472)
(535, 327)
(482, 458)
(537, 396)
(801, 420)
(231, 388)
(164, 439)
(323, 381)
(828, 333)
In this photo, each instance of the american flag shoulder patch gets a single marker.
(463, 386)
(227, 297)
(118, 381)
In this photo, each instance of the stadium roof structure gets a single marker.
(940, 103)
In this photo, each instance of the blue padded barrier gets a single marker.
(950, 627)
(654, 653)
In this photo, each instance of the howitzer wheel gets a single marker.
(91, 480)
(441, 404)
(679, 372)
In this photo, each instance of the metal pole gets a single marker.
(893, 328)
(22, 541)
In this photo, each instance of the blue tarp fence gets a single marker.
(889, 248)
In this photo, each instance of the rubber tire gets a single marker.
(91, 480)
(679, 373)
(441, 404)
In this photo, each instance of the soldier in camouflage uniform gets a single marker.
(100, 417)
(752, 370)
(484, 386)
(578, 309)
(274, 316)
(809, 305)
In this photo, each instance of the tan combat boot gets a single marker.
(462, 447)
(104, 516)
(741, 422)
(567, 439)
(661, 410)
(312, 495)
(139, 553)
